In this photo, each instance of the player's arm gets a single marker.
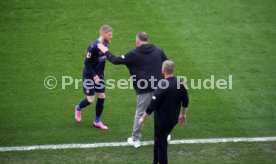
(88, 65)
(89, 68)
(155, 101)
(184, 105)
(124, 59)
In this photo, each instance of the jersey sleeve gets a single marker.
(185, 97)
(91, 49)
(88, 67)
(156, 99)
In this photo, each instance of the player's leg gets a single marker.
(84, 103)
(99, 106)
(90, 92)
(100, 90)
(99, 110)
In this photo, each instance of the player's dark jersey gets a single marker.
(94, 61)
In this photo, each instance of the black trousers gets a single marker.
(161, 143)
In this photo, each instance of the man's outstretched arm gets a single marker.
(124, 59)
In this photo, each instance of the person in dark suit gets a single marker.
(169, 104)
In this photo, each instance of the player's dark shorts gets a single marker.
(89, 87)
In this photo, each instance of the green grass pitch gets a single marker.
(202, 37)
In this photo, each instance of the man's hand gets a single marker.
(96, 79)
(141, 120)
(182, 120)
(102, 48)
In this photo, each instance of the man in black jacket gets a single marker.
(144, 64)
(169, 103)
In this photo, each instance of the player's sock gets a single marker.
(84, 103)
(97, 119)
(99, 109)
(78, 108)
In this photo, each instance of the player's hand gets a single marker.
(182, 120)
(96, 79)
(102, 48)
(141, 120)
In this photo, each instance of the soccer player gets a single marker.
(169, 105)
(93, 77)
(144, 63)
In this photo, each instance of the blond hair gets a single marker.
(105, 29)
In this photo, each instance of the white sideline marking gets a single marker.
(116, 144)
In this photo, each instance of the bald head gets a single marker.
(141, 38)
(168, 67)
